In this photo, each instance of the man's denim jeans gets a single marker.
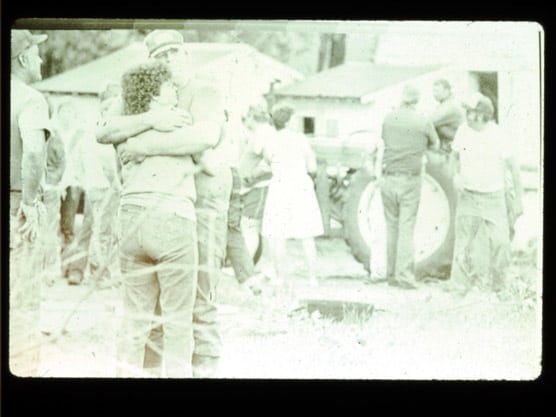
(236, 249)
(158, 256)
(94, 243)
(212, 224)
(400, 197)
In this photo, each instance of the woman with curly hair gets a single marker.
(158, 238)
(146, 85)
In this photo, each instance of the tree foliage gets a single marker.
(66, 49)
(308, 52)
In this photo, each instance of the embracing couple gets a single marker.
(167, 127)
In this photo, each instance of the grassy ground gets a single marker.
(422, 334)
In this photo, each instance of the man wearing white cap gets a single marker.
(29, 131)
(213, 184)
(200, 102)
(406, 136)
(481, 157)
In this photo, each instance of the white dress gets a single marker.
(291, 208)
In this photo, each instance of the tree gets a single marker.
(66, 49)
(332, 50)
(307, 52)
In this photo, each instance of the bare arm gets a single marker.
(34, 128)
(183, 141)
(203, 129)
(454, 163)
(115, 128)
(310, 159)
(434, 141)
(513, 166)
(378, 160)
(33, 165)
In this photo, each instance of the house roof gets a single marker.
(352, 80)
(90, 77)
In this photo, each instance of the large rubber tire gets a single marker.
(352, 232)
(437, 262)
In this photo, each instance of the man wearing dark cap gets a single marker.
(29, 131)
(406, 136)
(481, 157)
(200, 101)
(447, 116)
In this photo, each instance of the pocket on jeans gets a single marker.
(129, 221)
(172, 234)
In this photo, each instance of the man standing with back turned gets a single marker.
(399, 168)
(29, 131)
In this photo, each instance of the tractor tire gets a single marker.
(353, 235)
(438, 201)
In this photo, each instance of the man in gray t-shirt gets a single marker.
(406, 136)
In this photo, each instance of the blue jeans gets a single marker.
(236, 248)
(213, 199)
(68, 211)
(482, 246)
(53, 247)
(400, 197)
(94, 243)
(158, 257)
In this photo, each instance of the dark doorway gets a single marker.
(488, 85)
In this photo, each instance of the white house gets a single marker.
(332, 106)
(338, 101)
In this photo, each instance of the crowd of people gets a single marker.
(168, 178)
(482, 160)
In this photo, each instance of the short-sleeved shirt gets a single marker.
(482, 157)
(29, 112)
(166, 182)
(406, 135)
(160, 182)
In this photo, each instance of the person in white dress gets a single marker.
(291, 209)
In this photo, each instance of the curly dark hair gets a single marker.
(141, 83)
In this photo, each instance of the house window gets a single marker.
(332, 128)
(309, 125)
